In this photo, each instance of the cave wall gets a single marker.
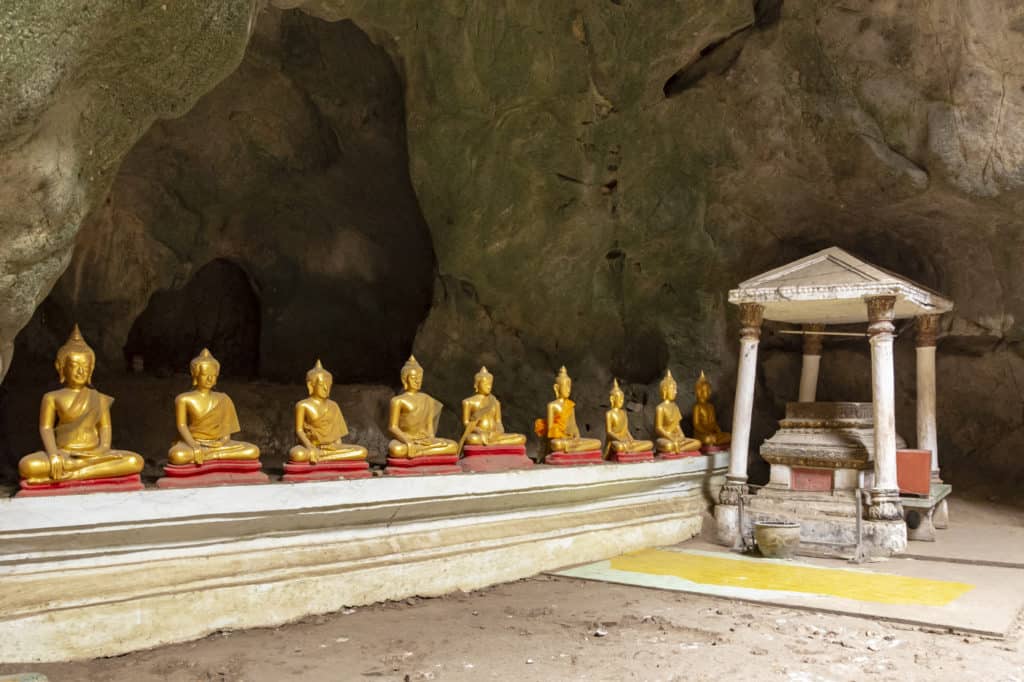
(595, 175)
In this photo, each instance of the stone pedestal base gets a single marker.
(490, 458)
(574, 458)
(631, 457)
(828, 522)
(297, 472)
(423, 466)
(679, 455)
(95, 485)
(216, 472)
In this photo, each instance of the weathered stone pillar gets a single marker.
(811, 362)
(726, 512)
(927, 433)
(885, 496)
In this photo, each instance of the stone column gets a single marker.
(927, 434)
(726, 512)
(885, 502)
(811, 362)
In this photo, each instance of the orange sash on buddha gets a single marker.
(218, 422)
(328, 428)
(78, 424)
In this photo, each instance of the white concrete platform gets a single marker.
(99, 575)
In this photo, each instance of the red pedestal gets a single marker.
(297, 472)
(810, 480)
(570, 459)
(914, 471)
(215, 472)
(630, 457)
(490, 458)
(708, 449)
(679, 455)
(115, 484)
(423, 466)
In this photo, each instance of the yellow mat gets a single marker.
(760, 574)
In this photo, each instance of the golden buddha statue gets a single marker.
(413, 417)
(320, 425)
(206, 420)
(481, 415)
(616, 424)
(74, 424)
(705, 424)
(667, 418)
(560, 428)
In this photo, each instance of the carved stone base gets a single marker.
(297, 472)
(574, 458)
(885, 506)
(630, 457)
(423, 466)
(491, 458)
(216, 472)
(95, 485)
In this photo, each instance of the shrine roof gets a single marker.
(830, 287)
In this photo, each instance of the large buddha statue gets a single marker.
(206, 420)
(481, 415)
(74, 425)
(667, 417)
(413, 417)
(616, 422)
(560, 427)
(705, 424)
(319, 424)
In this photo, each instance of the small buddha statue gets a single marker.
(561, 430)
(705, 424)
(481, 415)
(206, 420)
(74, 424)
(616, 424)
(413, 417)
(667, 418)
(319, 424)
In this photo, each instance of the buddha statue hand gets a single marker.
(57, 467)
(314, 455)
(198, 455)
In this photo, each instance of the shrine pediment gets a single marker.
(830, 287)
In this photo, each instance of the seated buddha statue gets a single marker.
(74, 425)
(413, 417)
(481, 415)
(560, 427)
(206, 420)
(705, 424)
(667, 418)
(319, 424)
(616, 424)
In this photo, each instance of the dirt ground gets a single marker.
(548, 628)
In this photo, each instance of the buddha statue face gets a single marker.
(75, 371)
(205, 369)
(412, 375)
(75, 361)
(563, 385)
(616, 397)
(483, 382)
(668, 388)
(703, 391)
(319, 382)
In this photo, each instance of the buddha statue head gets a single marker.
(205, 369)
(75, 361)
(616, 397)
(412, 375)
(702, 388)
(668, 386)
(483, 382)
(563, 384)
(319, 381)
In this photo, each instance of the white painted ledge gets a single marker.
(103, 574)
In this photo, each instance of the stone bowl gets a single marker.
(777, 539)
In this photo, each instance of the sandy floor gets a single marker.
(548, 628)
